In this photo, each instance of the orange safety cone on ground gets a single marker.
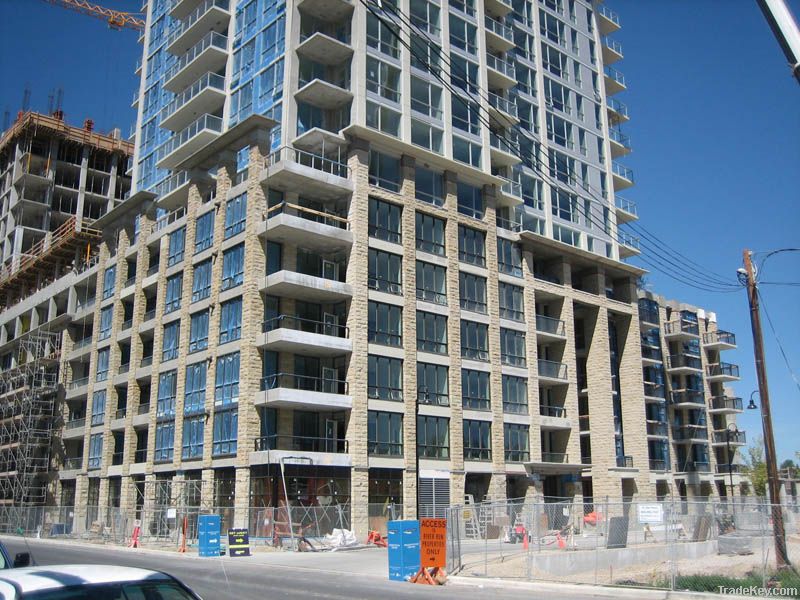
(561, 543)
(525, 541)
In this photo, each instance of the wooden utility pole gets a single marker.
(781, 555)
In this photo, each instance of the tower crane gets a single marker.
(115, 19)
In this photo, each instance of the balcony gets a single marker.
(74, 428)
(725, 405)
(626, 210)
(651, 355)
(325, 49)
(684, 363)
(286, 333)
(654, 391)
(311, 288)
(687, 399)
(327, 451)
(722, 372)
(553, 417)
(723, 437)
(622, 176)
(607, 20)
(548, 328)
(620, 143)
(328, 10)
(501, 74)
(624, 462)
(206, 95)
(303, 392)
(735, 469)
(324, 94)
(690, 433)
(555, 457)
(515, 227)
(504, 149)
(316, 230)
(321, 177)
(615, 81)
(211, 15)
(209, 55)
(657, 429)
(628, 244)
(612, 50)
(499, 36)
(503, 110)
(498, 7)
(73, 463)
(552, 372)
(617, 111)
(77, 387)
(658, 464)
(695, 466)
(182, 145)
(719, 340)
(510, 193)
(681, 330)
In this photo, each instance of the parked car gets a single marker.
(21, 559)
(91, 582)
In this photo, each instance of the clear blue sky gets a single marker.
(715, 129)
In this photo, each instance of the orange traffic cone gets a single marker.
(525, 541)
(561, 543)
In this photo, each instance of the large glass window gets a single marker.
(201, 280)
(98, 407)
(226, 425)
(384, 433)
(384, 171)
(172, 300)
(385, 220)
(474, 340)
(383, 79)
(172, 334)
(475, 393)
(95, 450)
(382, 36)
(509, 257)
(429, 186)
(512, 347)
(274, 257)
(235, 215)
(230, 321)
(426, 98)
(433, 437)
(109, 280)
(233, 267)
(427, 136)
(471, 246)
(198, 331)
(226, 386)
(165, 440)
(102, 364)
(463, 35)
(385, 378)
(204, 234)
(433, 384)
(472, 291)
(194, 399)
(466, 116)
(515, 395)
(512, 302)
(425, 16)
(193, 432)
(177, 246)
(385, 324)
(467, 152)
(431, 283)
(387, 120)
(385, 272)
(430, 234)
(106, 318)
(477, 440)
(516, 442)
(431, 332)
(167, 386)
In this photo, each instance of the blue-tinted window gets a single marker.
(230, 321)
(235, 215)
(109, 280)
(95, 450)
(201, 282)
(470, 200)
(98, 407)
(177, 246)
(167, 386)
(172, 301)
(226, 388)
(102, 364)
(165, 439)
(204, 235)
(198, 331)
(106, 317)
(226, 425)
(233, 267)
(384, 171)
(172, 333)
(274, 257)
(194, 399)
(193, 432)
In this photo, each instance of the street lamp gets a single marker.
(752, 404)
(731, 428)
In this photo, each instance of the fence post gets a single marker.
(671, 524)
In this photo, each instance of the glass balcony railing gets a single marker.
(658, 464)
(688, 397)
(506, 105)
(612, 45)
(621, 171)
(654, 390)
(301, 444)
(207, 81)
(211, 40)
(195, 16)
(555, 457)
(628, 240)
(171, 183)
(682, 326)
(625, 462)
(511, 188)
(727, 436)
(619, 137)
(719, 337)
(307, 383)
(618, 107)
(609, 14)
(501, 29)
(684, 361)
(553, 411)
(498, 64)
(306, 325)
(550, 325)
(723, 370)
(308, 159)
(687, 433)
(657, 428)
(726, 403)
(176, 141)
(615, 75)
(627, 205)
(552, 369)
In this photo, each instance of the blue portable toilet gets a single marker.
(404, 549)
(208, 527)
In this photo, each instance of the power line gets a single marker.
(777, 339)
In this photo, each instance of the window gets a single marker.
(426, 136)
(177, 245)
(95, 450)
(465, 6)
(559, 131)
(226, 425)
(467, 152)
(512, 347)
(385, 272)
(466, 117)
(233, 267)
(472, 291)
(102, 364)
(564, 205)
(475, 389)
(552, 28)
(167, 386)
(98, 407)
(463, 34)
(386, 120)
(430, 233)
(274, 257)
(384, 434)
(226, 390)
(425, 16)
(193, 432)
(383, 79)
(509, 257)
(515, 395)
(431, 283)
(385, 378)
(109, 280)
(471, 246)
(384, 220)
(431, 332)
(515, 442)
(172, 334)
(194, 399)
(433, 437)
(562, 167)
(429, 186)
(511, 302)
(198, 331)
(385, 324)
(426, 98)
(425, 55)
(165, 439)
(474, 340)
(433, 384)
(235, 215)
(204, 234)
(382, 37)
(172, 301)
(201, 280)
(557, 96)
(384, 171)
(230, 320)
(106, 317)
(477, 440)
(464, 74)
(567, 236)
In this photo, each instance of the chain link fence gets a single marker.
(671, 545)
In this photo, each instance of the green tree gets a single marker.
(756, 468)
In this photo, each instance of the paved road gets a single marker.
(245, 579)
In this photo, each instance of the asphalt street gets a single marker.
(251, 579)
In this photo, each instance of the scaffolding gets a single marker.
(28, 394)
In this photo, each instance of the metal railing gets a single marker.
(681, 361)
(78, 383)
(612, 73)
(304, 382)
(212, 39)
(498, 64)
(73, 462)
(306, 325)
(501, 29)
(195, 15)
(511, 188)
(206, 121)
(209, 80)
(309, 159)
(723, 369)
(552, 369)
(650, 353)
(726, 403)
(677, 327)
(308, 214)
(657, 464)
(508, 225)
(725, 436)
(625, 462)
(612, 44)
(621, 171)
(609, 14)
(506, 105)
(301, 444)
(553, 411)
(719, 337)
(555, 457)
(143, 409)
(657, 428)
(550, 325)
(686, 433)
(626, 205)
(171, 183)
(75, 423)
(617, 136)
(687, 397)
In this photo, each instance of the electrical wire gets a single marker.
(777, 340)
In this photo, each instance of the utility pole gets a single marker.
(781, 555)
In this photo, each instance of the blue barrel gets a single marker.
(404, 549)
(208, 531)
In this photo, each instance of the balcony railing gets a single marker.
(116, 458)
(621, 171)
(308, 159)
(120, 413)
(723, 369)
(688, 433)
(507, 224)
(176, 141)
(619, 137)
(550, 325)
(696, 466)
(306, 325)
(212, 39)
(650, 353)
(627, 205)
(687, 397)
(501, 29)
(555, 457)
(735, 469)
(658, 464)
(680, 361)
(618, 107)
(209, 80)
(301, 444)
(195, 15)
(498, 64)
(734, 437)
(675, 327)
(609, 14)
(552, 369)
(511, 188)
(304, 382)
(171, 184)
(143, 409)
(625, 462)
(612, 73)
(73, 462)
(149, 315)
(75, 424)
(309, 214)
(657, 428)
(78, 383)
(553, 411)
(507, 105)
(719, 337)
(140, 455)
(612, 44)
(146, 361)
(726, 403)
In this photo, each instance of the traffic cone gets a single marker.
(561, 543)
(525, 541)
